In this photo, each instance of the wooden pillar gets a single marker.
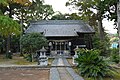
(56, 47)
(64, 45)
(60, 47)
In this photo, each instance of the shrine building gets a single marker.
(64, 35)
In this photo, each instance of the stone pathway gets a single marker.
(54, 74)
(55, 61)
(64, 75)
(62, 71)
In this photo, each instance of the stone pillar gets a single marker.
(75, 56)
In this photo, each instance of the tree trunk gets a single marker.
(118, 19)
(101, 30)
(8, 44)
(8, 51)
(100, 26)
(21, 23)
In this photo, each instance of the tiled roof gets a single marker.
(52, 28)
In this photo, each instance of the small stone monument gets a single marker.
(75, 56)
(42, 59)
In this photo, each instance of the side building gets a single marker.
(64, 35)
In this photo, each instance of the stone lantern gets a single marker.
(42, 59)
(75, 56)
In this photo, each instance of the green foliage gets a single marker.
(40, 11)
(8, 26)
(26, 10)
(92, 65)
(15, 43)
(4, 2)
(61, 16)
(58, 16)
(8, 55)
(32, 42)
(94, 11)
(85, 8)
(28, 57)
(103, 45)
(114, 57)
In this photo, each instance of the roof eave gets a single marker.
(60, 36)
(86, 32)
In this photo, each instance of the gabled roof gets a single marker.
(56, 28)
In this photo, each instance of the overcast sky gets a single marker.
(59, 5)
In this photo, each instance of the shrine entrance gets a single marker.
(61, 47)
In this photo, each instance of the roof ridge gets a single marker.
(54, 22)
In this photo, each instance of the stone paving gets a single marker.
(54, 63)
(62, 71)
(71, 71)
(54, 74)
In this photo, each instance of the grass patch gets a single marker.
(24, 62)
(50, 60)
(4, 60)
(70, 60)
(16, 60)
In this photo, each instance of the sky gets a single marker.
(59, 5)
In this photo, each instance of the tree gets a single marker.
(103, 8)
(24, 9)
(22, 2)
(103, 46)
(4, 2)
(40, 11)
(118, 19)
(32, 42)
(8, 27)
(8, 7)
(60, 16)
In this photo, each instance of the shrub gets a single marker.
(32, 42)
(8, 55)
(102, 45)
(28, 57)
(114, 57)
(92, 65)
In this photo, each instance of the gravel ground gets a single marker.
(24, 74)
